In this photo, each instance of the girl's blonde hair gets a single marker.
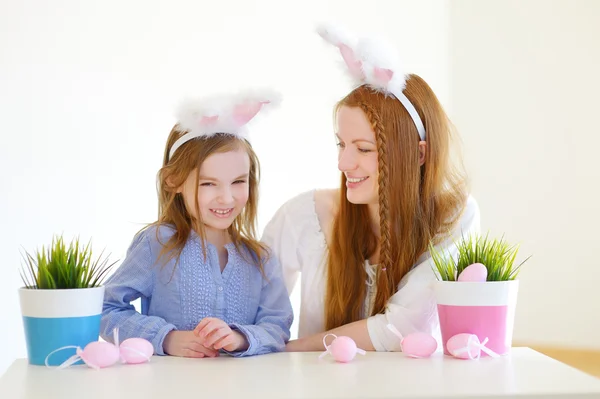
(171, 206)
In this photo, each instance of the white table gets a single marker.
(523, 374)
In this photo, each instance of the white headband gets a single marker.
(227, 114)
(375, 63)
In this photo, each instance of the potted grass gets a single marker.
(61, 300)
(477, 290)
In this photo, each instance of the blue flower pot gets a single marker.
(57, 321)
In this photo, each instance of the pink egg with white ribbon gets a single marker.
(343, 349)
(97, 355)
(136, 350)
(101, 354)
(467, 346)
(417, 345)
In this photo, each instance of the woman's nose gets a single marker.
(346, 161)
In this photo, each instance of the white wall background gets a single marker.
(87, 91)
(525, 94)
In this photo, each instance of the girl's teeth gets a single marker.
(221, 212)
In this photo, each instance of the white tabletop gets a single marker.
(523, 374)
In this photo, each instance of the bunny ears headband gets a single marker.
(374, 63)
(221, 114)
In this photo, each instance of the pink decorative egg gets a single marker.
(477, 272)
(99, 354)
(136, 350)
(459, 343)
(419, 345)
(343, 349)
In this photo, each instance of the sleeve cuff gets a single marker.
(252, 341)
(159, 339)
(383, 340)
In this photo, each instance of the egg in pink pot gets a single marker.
(477, 272)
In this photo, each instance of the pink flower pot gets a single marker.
(486, 309)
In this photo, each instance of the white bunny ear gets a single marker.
(383, 68)
(227, 114)
(338, 37)
(250, 104)
(266, 96)
(373, 62)
(198, 115)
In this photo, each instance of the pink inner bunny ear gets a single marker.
(383, 75)
(243, 113)
(353, 64)
(208, 120)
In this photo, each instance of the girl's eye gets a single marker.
(206, 184)
(340, 145)
(363, 150)
(239, 182)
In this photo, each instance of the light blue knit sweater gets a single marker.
(180, 298)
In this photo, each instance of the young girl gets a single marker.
(206, 284)
(362, 250)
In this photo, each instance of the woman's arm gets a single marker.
(412, 308)
(357, 331)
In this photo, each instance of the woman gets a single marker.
(362, 249)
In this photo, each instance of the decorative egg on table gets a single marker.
(417, 344)
(99, 354)
(468, 346)
(342, 348)
(136, 350)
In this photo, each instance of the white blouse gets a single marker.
(295, 236)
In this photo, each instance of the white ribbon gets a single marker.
(479, 345)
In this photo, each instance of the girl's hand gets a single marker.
(216, 334)
(186, 344)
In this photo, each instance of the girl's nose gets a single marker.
(225, 196)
